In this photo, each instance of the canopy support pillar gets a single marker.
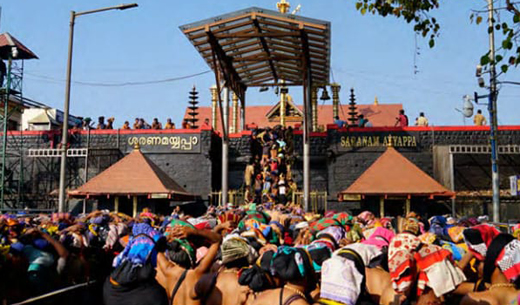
(243, 114)
(225, 146)
(307, 118)
(134, 212)
(116, 204)
(382, 206)
(407, 207)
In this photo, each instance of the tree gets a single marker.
(419, 13)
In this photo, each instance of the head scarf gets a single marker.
(292, 264)
(141, 245)
(233, 249)
(380, 238)
(478, 239)
(179, 248)
(411, 225)
(335, 232)
(367, 218)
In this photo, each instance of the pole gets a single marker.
(335, 87)
(225, 147)
(6, 120)
(234, 114)
(306, 144)
(243, 114)
(314, 108)
(65, 131)
(214, 99)
(492, 108)
(283, 99)
(134, 208)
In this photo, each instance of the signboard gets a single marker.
(166, 143)
(351, 197)
(353, 141)
(515, 188)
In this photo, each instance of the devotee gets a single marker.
(293, 267)
(110, 122)
(86, 123)
(126, 125)
(101, 123)
(402, 119)
(362, 122)
(421, 120)
(222, 287)
(137, 124)
(169, 124)
(479, 119)
(144, 124)
(501, 270)
(156, 124)
(206, 123)
(339, 122)
(174, 271)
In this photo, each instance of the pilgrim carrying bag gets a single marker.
(129, 273)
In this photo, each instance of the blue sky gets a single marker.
(374, 55)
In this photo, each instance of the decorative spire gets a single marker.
(283, 6)
(194, 95)
(376, 101)
(352, 107)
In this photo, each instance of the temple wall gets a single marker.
(192, 158)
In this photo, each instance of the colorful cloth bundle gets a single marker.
(509, 260)
(432, 264)
(343, 218)
(322, 224)
(381, 237)
(140, 245)
(478, 239)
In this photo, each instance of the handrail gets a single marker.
(53, 293)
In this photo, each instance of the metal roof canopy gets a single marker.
(259, 47)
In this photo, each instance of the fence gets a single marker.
(318, 200)
(236, 197)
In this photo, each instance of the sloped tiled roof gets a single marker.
(7, 41)
(381, 115)
(394, 174)
(133, 175)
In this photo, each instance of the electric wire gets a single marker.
(122, 84)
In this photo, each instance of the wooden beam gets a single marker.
(260, 84)
(289, 27)
(266, 48)
(216, 23)
(226, 67)
(222, 29)
(292, 21)
(219, 95)
(257, 35)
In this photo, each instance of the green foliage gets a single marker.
(412, 11)
(418, 13)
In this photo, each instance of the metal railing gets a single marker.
(55, 293)
(235, 197)
(318, 200)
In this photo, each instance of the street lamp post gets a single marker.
(64, 137)
(493, 124)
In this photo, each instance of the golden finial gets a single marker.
(376, 101)
(283, 6)
(136, 146)
(389, 143)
